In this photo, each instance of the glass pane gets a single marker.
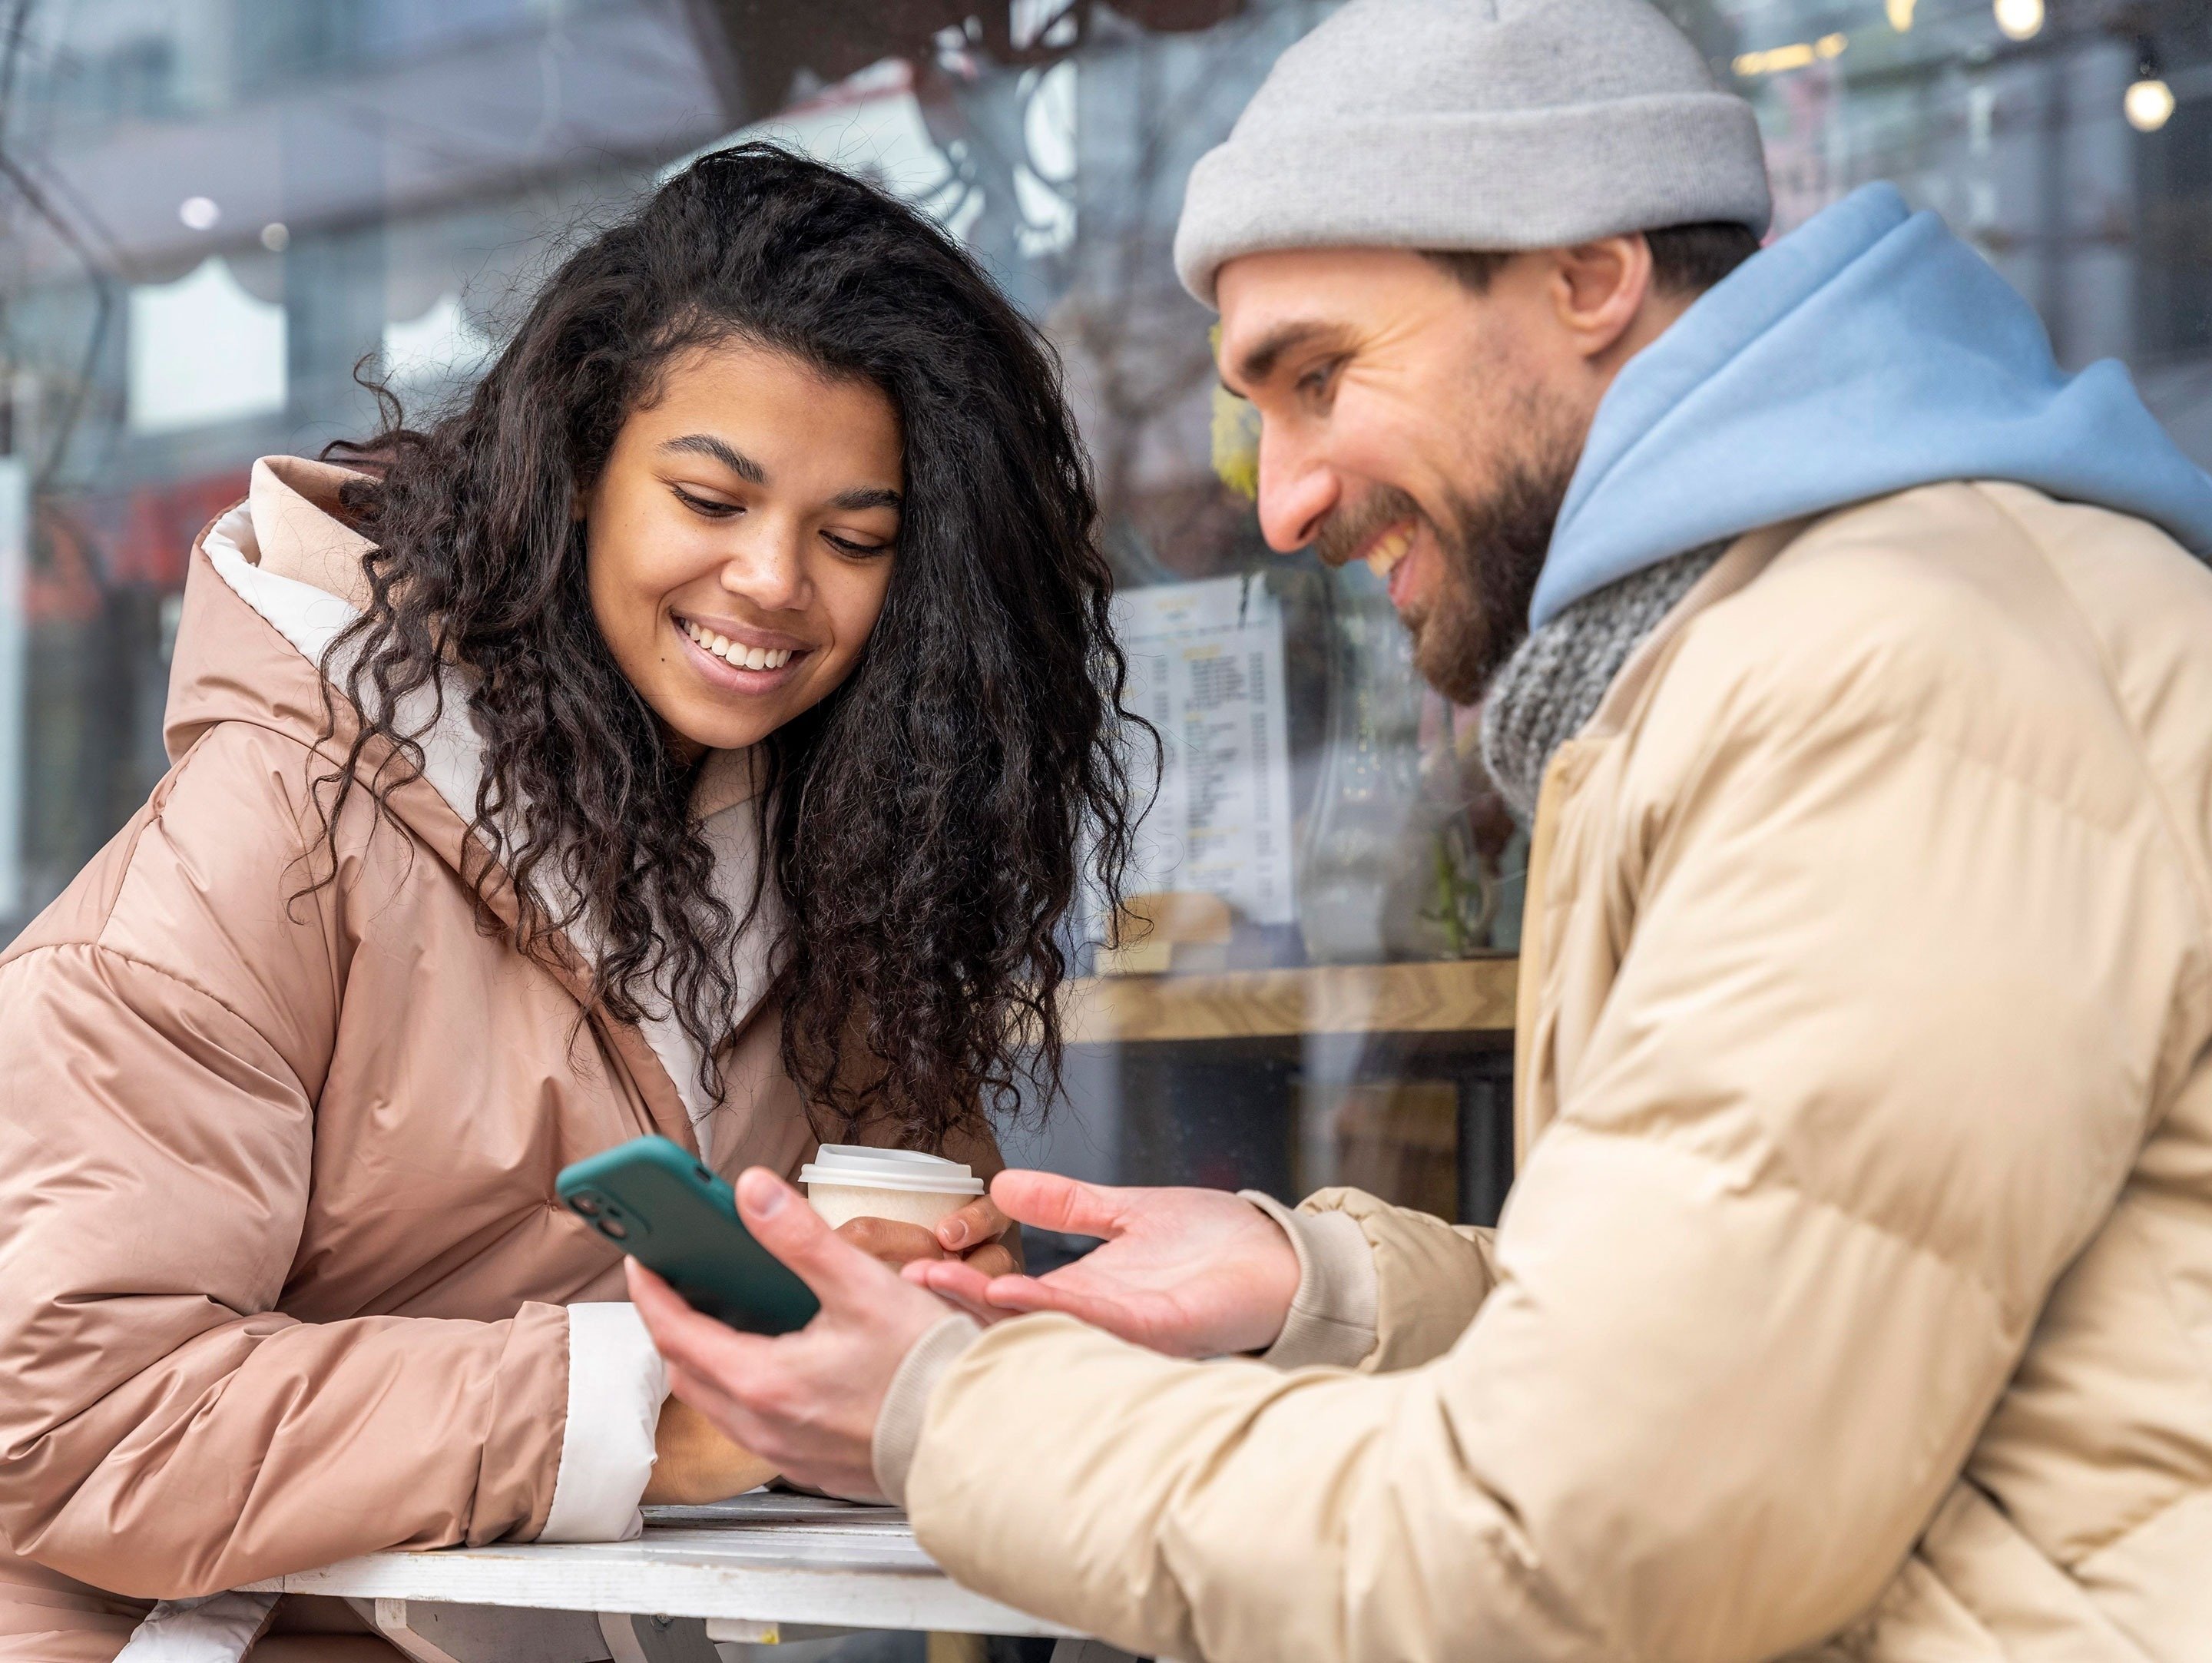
(222, 210)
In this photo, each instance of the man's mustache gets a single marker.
(1349, 530)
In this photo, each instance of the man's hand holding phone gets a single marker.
(805, 1401)
(667, 1208)
(1193, 1272)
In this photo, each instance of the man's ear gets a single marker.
(1597, 291)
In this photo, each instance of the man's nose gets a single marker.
(769, 568)
(1297, 489)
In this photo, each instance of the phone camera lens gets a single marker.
(614, 1227)
(588, 1205)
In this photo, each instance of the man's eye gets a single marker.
(1315, 382)
(707, 505)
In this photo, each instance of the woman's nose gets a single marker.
(1297, 490)
(769, 569)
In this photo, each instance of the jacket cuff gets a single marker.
(616, 1384)
(215, 1625)
(1332, 1320)
(906, 1404)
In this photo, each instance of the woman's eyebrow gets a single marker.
(720, 450)
(855, 500)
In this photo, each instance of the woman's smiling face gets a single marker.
(740, 539)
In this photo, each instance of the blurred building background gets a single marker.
(214, 210)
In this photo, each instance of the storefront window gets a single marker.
(215, 213)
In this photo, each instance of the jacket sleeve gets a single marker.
(1876, 1062)
(166, 1430)
(1380, 1288)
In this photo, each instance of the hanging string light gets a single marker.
(2019, 20)
(2148, 104)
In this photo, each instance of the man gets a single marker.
(1855, 1296)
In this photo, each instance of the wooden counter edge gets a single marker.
(1456, 996)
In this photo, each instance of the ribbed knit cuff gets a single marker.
(906, 1404)
(1332, 1320)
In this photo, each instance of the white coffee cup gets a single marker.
(851, 1181)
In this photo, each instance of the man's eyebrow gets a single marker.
(720, 450)
(860, 497)
(1259, 363)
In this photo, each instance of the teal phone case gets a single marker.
(665, 1209)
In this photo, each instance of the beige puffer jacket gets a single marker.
(1855, 1292)
(282, 1275)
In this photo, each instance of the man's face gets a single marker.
(1411, 423)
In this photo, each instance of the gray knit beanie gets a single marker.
(1488, 125)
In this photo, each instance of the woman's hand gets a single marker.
(696, 1463)
(973, 1235)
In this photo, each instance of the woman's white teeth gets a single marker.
(735, 651)
(1390, 549)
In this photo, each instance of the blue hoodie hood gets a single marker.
(1868, 351)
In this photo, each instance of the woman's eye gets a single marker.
(845, 545)
(706, 505)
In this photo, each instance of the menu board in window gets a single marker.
(1206, 669)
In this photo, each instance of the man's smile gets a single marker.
(1387, 556)
(1388, 547)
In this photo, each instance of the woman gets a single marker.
(693, 734)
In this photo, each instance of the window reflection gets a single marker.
(202, 350)
(215, 213)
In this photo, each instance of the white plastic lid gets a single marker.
(860, 1167)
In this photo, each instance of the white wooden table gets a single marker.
(761, 1568)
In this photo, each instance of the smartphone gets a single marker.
(670, 1212)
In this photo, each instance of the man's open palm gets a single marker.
(1195, 1273)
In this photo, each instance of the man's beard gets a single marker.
(1493, 552)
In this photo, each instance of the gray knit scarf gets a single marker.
(1554, 680)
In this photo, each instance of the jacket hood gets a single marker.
(289, 555)
(1868, 351)
(274, 582)
(233, 660)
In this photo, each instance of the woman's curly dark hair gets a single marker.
(925, 822)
